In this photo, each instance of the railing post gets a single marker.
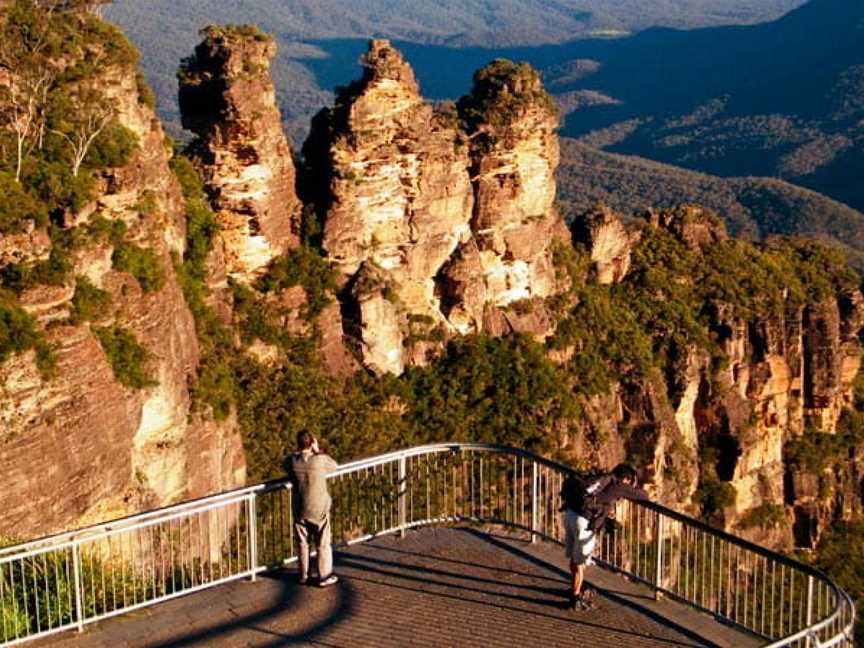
(253, 534)
(658, 575)
(403, 490)
(534, 510)
(810, 608)
(76, 570)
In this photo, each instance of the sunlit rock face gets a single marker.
(452, 233)
(227, 98)
(511, 123)
(608, 242)
(729, 416)
(80, 447)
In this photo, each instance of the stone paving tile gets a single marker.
(436, 587)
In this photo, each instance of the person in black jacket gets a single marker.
(586, 507)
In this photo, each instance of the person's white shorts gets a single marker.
(579, 539)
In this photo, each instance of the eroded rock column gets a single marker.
(227, 98)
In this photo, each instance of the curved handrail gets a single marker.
(200, 543)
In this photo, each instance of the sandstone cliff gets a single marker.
(79, 445)
(435, 233)
(750, 428)
(227, 99)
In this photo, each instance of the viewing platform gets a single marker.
(436, 587)
(452, 544)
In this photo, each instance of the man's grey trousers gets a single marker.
(317, 533)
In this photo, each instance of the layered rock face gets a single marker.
(433, 235)
(782, 379)
(511, 123)
(609, 243)
(80, 447)
(227, 99)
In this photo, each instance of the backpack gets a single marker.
(579, 494)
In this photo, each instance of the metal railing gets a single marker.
(73, 579)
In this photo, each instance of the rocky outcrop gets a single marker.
(511, 123)
(79, 446)
(724, 422)
(608, 241)
(438, 235)
(227, 98)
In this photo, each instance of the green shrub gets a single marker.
(814, 451)
(216, 382)
(714, 495)
(841, 554)
(302, 267)
(19, 333)
(113, 147)
(52, 181)
(89, 303)
(145, 93)
(765, 516)
(141, 263)
(106, 231)
(54, 271)
(128, 359)
(503, 91)
(487, 390)
(18, 207)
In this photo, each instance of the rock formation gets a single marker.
(79, 446)
(608, 241)
(511, 123)
(436, 234)
(227, 99)
(731, 418)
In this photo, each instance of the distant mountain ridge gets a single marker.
(782, 99)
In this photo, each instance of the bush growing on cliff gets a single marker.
(503, 91)
(18, 207)
(302, 266)
(54, 271)
(141, 263)
(814, 451)
(89, 303)
(216, 383)
(19, 333)
(841, 554)
(128, 359)
(487, 390)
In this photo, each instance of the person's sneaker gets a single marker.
(302, 580)
(332, 579)
(586, 600)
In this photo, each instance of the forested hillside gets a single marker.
(752, 206)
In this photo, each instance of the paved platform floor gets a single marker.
(436, 587)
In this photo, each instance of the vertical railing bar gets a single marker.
(658, 552)
(533, 501)
(403, 489)
(76, 568)
(744, 589)
(57, 582)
